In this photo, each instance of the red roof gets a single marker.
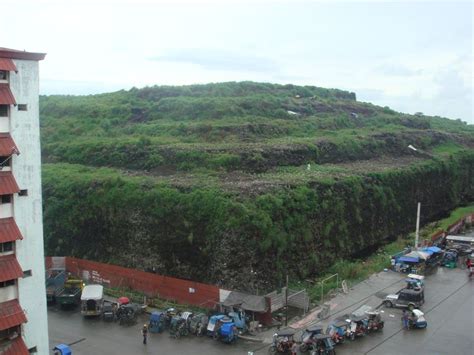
(7, 145)
(15, 347)
(8, 184)
(9, 268)
(11, 314)
(6, 96)
(16, 54)
(7, 64)
(9, 231)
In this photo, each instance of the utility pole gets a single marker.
(286, 301)
(417, 235)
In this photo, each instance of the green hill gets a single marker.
(210, 181)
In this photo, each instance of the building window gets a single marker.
(33, 350)
(4, 110)
(7, 283)
(3, 75)
(10, 333)
(22, 107)
(4, 161)
(6, 199)
(27, 273)
(6, 247)
(23, 192)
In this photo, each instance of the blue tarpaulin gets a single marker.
(409, 259)
(432, 249)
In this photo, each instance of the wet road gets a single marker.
(112, 339)
(449, 310)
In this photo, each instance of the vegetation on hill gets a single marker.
(211, 181)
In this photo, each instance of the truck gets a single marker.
(55, 279)
(70, 294)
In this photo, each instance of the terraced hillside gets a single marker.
(212, 181)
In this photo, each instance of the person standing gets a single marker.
(145, 333)
(405, 319)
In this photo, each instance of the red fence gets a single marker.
(453, 228)
(153, 285)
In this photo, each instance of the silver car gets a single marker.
(405, 298)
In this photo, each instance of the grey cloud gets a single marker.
(212, 59)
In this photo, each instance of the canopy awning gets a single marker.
(409, 259)
(7, 145)
(8, 184)
(7, 64)
(418, 254)
(246, 302)
(11, 314)
(9, 268)
(9, 231)
(15, 347)
(432, 250)
(6, 96)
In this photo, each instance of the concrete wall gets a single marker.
(26, 168)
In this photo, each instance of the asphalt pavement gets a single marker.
(104, 338)
(449, 310)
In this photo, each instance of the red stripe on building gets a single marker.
(9, 231)
(15, 347)
(11, 314)
(16, 54)
(8, 184)
(7, 64)
(6, 96)
(7, 145)
(9, 268)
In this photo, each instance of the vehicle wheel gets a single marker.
(352, 336)
(381, 324)
(272, 350)
(388, 304)
(303, 348)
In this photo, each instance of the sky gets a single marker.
(413, 56)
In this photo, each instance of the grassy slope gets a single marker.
(218, 173)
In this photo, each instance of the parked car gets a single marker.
(405, 298)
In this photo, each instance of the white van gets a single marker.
(92, 300)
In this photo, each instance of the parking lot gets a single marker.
(449, 309)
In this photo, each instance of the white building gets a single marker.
(23, 317)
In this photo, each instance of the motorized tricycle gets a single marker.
(215, 322)
(323, 345)
(308, 337)
(282, 342)
(157, 322)
(240, 320)
(375, 321)
(127, 314)
(339, 330)
(169, 314)
(417, 320)
(227, 333)
(178, 327)
(358, 326)
(198, 324)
